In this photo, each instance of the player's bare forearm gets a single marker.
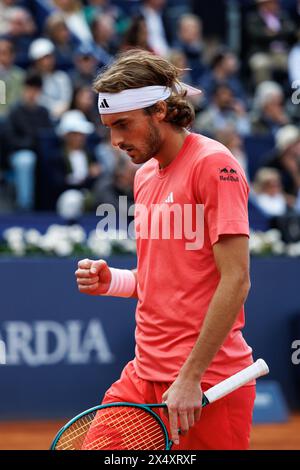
(232, 259)
(135, 295)
(222, 313)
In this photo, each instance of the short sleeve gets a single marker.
(222, 188)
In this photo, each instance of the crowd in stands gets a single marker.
(51, 140)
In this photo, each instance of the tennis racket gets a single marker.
(129, 426)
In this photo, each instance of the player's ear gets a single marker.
(161, 109)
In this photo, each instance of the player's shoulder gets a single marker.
(206, 147)
(209, 153)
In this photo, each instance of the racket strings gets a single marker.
(73, 437)
(131, 439)
(114, 440)
(135, 429)
(82, 429)
(121, 427)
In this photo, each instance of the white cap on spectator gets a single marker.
(70, 204)
(287, 136)
(40, 48)
(74, 121)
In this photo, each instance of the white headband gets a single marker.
(138, 98)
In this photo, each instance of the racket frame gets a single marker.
(145, 407)
(257, 369)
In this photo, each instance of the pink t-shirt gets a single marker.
(176, 283)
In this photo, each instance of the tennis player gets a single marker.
(190, 310)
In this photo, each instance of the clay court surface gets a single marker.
(38, 435)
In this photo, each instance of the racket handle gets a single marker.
(237, 380)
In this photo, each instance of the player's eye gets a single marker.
(122, 126)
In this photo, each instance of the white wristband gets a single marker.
(122, 284)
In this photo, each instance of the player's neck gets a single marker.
(172, 145)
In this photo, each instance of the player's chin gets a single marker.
(137, 159)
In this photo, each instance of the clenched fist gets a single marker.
(93, 277)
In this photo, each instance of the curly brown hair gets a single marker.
(138, 68)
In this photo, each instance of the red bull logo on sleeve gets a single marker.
(228, 174)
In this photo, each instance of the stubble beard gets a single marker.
(152, 144)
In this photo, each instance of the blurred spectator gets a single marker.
(77, 166)
(117, 175)
(152, 11)
(294, 12)
(178, 58)
(189, 41)
(268, 109)
(286, 159)
(294, 61)
(64, 42)
(97, 8)
(74, 17)
(124, 177)
(12, 76)
(57, 86)
(70, 205)
(136, 35)
(21, 31)
(223, 70)
(224, 111)
(85, 63)
(107, 155)
(297, 204)
(4, 6)
(105, 41)
(231, 139)
(269, 193)
(84, 100)
(270, 32)
(24, 123)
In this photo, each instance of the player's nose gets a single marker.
(116, 139)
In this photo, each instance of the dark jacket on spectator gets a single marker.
(258, 38)
(23, 126)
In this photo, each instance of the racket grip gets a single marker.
(237, 380)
